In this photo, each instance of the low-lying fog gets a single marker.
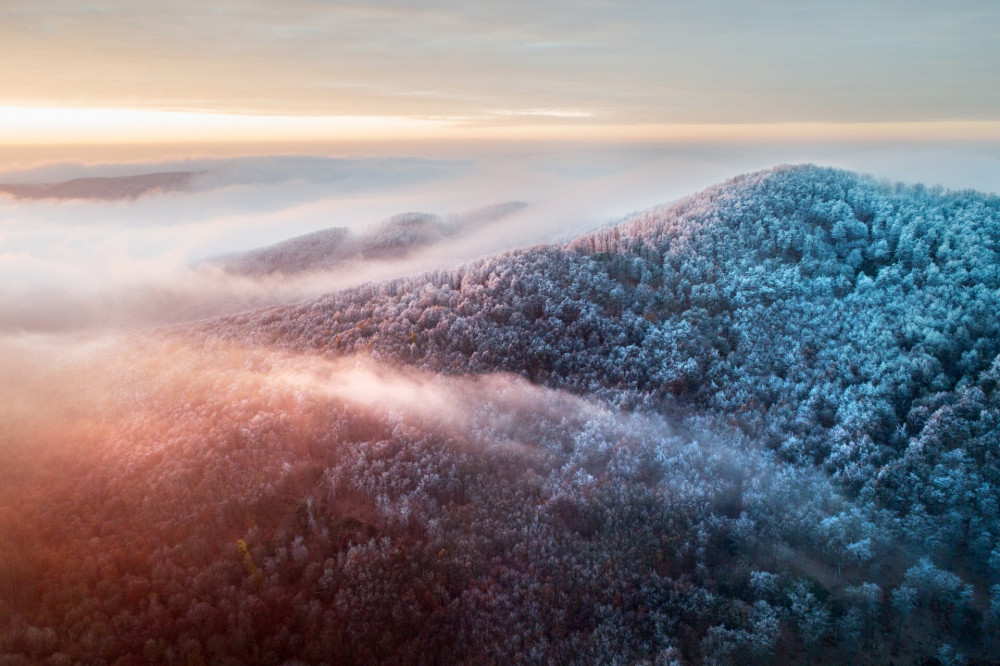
(72, 264)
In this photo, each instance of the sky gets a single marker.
(624, 70)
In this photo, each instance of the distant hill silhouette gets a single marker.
(393, 238)
(103, 189)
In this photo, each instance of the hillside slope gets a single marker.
(805, 303)
(847, 325)
(761, 425)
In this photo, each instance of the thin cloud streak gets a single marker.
(35, 126)
(54, 125)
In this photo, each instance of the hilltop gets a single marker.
(394, 238)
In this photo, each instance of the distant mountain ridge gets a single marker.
(394, 238)
(103, 188)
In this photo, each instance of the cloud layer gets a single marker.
(76, 263)
(592, 61)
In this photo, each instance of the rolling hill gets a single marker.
(393, 238)
(105, 189)
(758, 425)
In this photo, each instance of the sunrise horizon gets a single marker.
(69, 125)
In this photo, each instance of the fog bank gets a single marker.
(84, 264)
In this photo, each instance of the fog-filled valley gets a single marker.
(107, 246)
(424, 411)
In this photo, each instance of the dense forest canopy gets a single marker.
(760, 424)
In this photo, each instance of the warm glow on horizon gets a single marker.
(794, 132)
(55, 125)
(22, 126)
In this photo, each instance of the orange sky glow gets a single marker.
(23, 126)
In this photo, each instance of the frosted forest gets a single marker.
(760, 425)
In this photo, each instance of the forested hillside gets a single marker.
(842, 324)
(761, 425)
